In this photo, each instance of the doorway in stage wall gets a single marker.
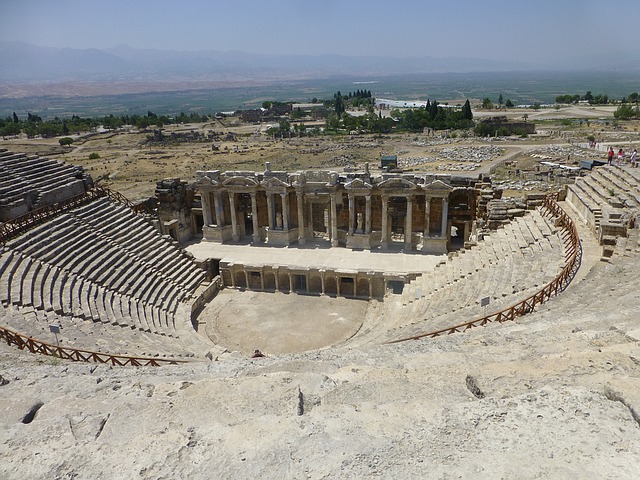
(398, 215)
(320, 221)
(246, 214)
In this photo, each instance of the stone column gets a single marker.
(285, 211)
(385, 222)
(254, 218)
(408, 224)
(277, 280)
(351, 213)
(270, 209)
(427, 216)
(367, 219)
(246, 279)
(234, 217)
(207, 214)
(445, 214)
(322, 281)
(334, 221)
(301, 229)
(217, 199)
(291, 286)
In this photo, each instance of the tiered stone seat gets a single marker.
(623, 193)
(31, 182)
(507, 266)
(606, 197)
(82, 269)
(78, 333)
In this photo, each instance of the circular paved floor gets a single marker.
(277, 323)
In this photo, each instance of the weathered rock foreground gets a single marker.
(552, 396)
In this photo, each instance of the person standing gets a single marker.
(610, 156)
(620, 156)
(634, 158)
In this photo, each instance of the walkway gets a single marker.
(337, 258)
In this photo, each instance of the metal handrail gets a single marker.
(77, 355)
(573, 260)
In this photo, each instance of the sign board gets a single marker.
(54, 329)
(485, 301)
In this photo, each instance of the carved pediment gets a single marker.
(438, 186)
(397, 184)
(240, 182)
(274, 183)
(357, 184)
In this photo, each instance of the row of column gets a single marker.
(408, 221)
(353, 226)
(445, 215)
(291, 281)
(282, 222)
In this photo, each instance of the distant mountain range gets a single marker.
(24, 62)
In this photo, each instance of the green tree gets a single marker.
(500, 100)
(509, 103)
(339, 103)
(486, 103)
(467, 114)
(626, 112)
(285, 128)
(65, 141)
(15, 118)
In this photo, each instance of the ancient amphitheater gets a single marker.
(128, 330)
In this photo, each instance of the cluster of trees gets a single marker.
(368, 123)
(33, 125)
(357, 99)
(588, 97)
(488, 104)
(434, 116)
(285, 130)
(626, 112)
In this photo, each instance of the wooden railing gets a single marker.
(19, 224)
(24, 342)
(573, 259)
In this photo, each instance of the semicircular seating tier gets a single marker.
(28, 182)
(106, 276)
(507, 266)
(608, 200)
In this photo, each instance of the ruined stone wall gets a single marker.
(174, 208)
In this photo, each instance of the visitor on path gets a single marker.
(620, 156)
(610, 156)
(634, 158)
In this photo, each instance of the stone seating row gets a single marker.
(134, 234)
(70, 270)
(615, 186)
(159, 275)
(22, 173)
(508, 264)
(28, 282)
(78, 333)
(102, 263)
(603, 194)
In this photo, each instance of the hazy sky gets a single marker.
(539, 31)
